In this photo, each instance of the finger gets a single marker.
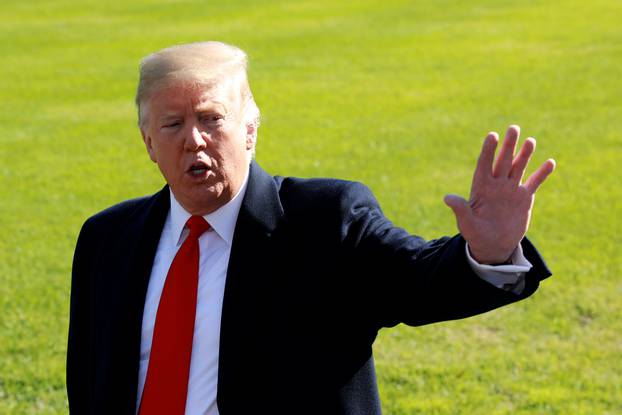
(459, 205)
(484, 163)
(539, 176)
(522, 159)
(506, 154)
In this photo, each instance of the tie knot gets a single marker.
(197, 225)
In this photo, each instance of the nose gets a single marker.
(195, 140)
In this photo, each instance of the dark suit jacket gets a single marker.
(315, 271)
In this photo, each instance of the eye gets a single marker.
(213, 119)
(171, 124)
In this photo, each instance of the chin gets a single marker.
(208, 199)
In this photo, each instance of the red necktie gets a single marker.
(166, 386)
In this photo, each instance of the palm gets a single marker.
(496, 217)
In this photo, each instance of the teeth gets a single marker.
(197, 172)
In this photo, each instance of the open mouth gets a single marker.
(197, 169)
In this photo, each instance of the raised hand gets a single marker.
(496, 217)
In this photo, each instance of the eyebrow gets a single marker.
(170, 115)
(210, 106)
(205, 107)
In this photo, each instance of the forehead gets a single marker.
(181, 95)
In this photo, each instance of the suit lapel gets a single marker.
(140, 237)
(245, 298)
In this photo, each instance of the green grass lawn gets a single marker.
(396, 94)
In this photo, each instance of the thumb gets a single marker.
(458, 204)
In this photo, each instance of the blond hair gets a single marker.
(202, 63)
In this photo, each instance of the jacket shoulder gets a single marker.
(318, 193)
(121, 213)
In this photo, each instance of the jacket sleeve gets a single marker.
(413, 281)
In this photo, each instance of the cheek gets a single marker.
(168, 155)
(230, 143)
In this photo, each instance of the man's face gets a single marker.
(200, 140)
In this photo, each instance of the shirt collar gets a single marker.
(222, 220)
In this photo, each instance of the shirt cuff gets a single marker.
(509, 277)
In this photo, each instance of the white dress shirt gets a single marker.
(510, 277)
(215, 249)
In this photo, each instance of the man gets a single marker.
(234, 292)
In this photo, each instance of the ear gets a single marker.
(149, 145)
(251, 135)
